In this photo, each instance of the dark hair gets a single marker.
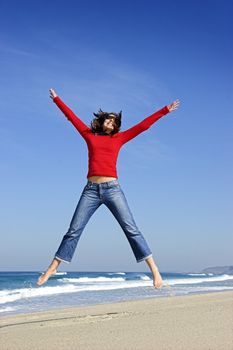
(98, 121)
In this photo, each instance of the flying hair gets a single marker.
(99, 118)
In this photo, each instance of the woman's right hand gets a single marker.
(52, 93)
(174, 105)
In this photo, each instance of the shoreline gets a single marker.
(170, 294)
(198, 321)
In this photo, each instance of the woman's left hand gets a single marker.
(174, 105)
(52, 93)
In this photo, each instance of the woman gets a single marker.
(104, 142)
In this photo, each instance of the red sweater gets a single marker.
(103, 149)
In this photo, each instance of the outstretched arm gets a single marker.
(78, 124)
(146, 123)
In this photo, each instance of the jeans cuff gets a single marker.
(65, 261)
(148, 256)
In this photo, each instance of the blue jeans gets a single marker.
(93, 195)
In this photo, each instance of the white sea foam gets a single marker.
(8, 309)
(196, 274)
(60, 273)
(145, 278)
(200, 280)
(116, 273)
(25, 293)
(91, 280)
(214, 288)
(86, 284)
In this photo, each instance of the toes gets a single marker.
(41, 279)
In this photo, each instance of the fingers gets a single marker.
(52, 93)
(174, 105)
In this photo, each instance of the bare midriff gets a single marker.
(100, 179)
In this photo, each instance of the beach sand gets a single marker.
(193, 322)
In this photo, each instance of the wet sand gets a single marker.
(194, 322)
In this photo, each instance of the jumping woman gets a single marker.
(104, 141)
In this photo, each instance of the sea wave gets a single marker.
(8, 309)
(145, 277)
(196, 274)
(8, 296)
(92, 279)
(176, 281)
(85, 284)
(200, 274)
(24, 293)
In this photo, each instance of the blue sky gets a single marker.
(134, 56)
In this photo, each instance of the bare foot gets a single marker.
(157, 279)
(45, 276)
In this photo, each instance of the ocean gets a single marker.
(19, 293)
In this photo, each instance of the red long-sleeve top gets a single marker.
(103, 150)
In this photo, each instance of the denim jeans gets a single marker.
(94, 195)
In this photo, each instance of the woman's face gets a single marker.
(109, 125)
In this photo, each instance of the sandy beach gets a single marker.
(194, 322)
